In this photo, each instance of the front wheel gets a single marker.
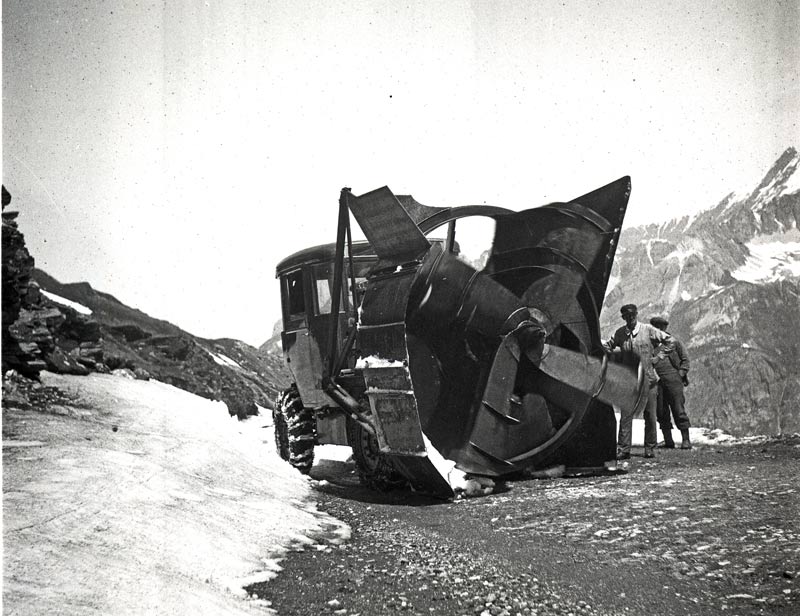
(295, 430)
(375, 469)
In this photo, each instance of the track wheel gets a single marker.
(295, 430)
(375, 470)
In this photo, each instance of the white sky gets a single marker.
(172, 153)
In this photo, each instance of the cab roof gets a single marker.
(324, 253)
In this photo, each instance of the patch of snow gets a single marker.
(223, 360)
(649, 246)
(686, 296)
(732, 200)
(66, 302)
(746, 346)
(714, 290)
(672, 297)
(681, 254)
(784, 182)
(171, 507)
(373, 361)
(689, 220)
(461, 483)
(699, 436)
(613, 281)
(335, 453)
(792, 184)
(265, 414)
(707, 436)
(769, 261)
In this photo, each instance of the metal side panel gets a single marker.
(384, 361)
(394, 409)
(304, 360)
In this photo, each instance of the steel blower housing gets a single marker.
(494, 370)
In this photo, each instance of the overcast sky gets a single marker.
(171, 153)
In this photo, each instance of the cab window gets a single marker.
(295, 298)
(323, 285)
(323, 277)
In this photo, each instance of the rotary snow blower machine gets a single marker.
(423, 362)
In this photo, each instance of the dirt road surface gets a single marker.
(713, 530)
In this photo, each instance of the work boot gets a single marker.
(687, 443)
(668, 442)
(649, 453)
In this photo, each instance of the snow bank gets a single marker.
(147, 499)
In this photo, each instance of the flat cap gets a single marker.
(659, 322)
(628, 309)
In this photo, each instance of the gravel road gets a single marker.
(713, 530)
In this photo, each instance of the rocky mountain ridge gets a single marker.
(75, 329)
(728, 279)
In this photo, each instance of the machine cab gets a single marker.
(307, 293)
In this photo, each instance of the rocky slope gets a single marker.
(729, 281)
(75, 329)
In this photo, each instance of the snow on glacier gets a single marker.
(771, 260)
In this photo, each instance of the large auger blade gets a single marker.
(538, 395)
(610, 383)
(545, 256)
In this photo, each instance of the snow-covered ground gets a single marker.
(151, 500)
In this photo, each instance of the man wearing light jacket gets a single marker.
(672, 372)
(645, 344)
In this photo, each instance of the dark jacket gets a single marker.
(675, 364)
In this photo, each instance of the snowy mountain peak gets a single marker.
(779, 180)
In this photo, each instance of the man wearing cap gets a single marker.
(672, 372)
(645, 344)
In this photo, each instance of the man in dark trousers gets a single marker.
(672, 372)
(645, 344)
